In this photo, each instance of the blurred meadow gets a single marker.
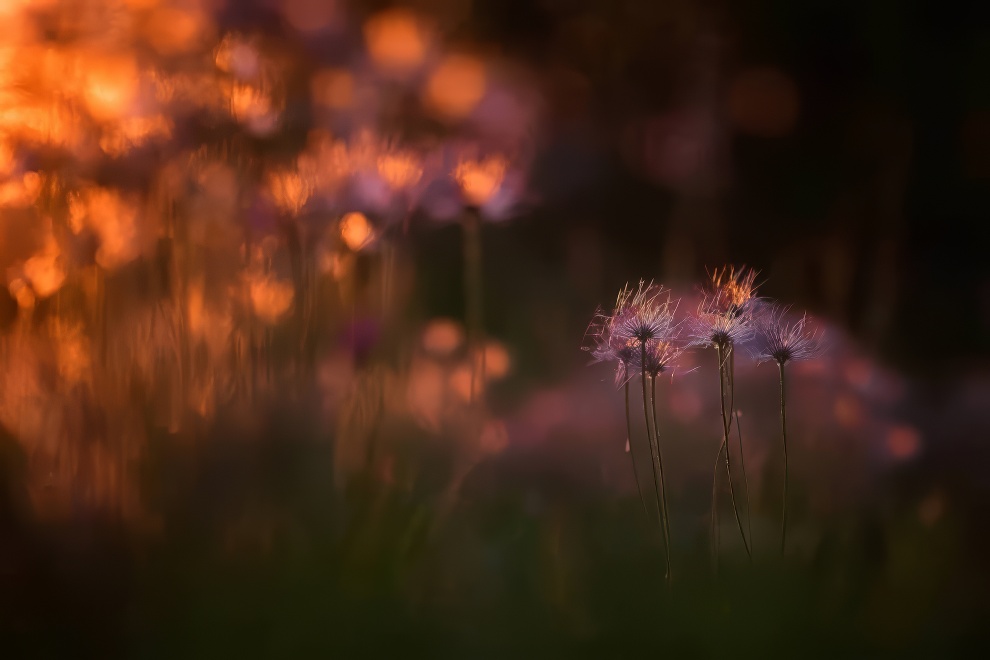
(295, 295)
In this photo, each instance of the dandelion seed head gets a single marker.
(725, 315)
(782, 340)
(641, 321)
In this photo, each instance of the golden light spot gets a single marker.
(460, 383)
(110, 87)
(442, 337)
(497, 361)
(22, 293)
(456, 86)
(333, 88)
(480, 179)
(45, 270)
(115, 221)
(396, 40)
(763, 102)
(903, 442)
(248, 103)
(356, 231)
(400, 170)
(21, 191)
(270, 298)
(289, 190)
(172, 30)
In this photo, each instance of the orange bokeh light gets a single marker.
(356, 231)
(456, 86)
(396, 40)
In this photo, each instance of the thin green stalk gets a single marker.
(663, 483)
(632, 456)
(728, 454)
(783, 433)
(656, 477)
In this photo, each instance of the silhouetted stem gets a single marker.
(663, 484)
(728, 454)
(473, 292)
(783, 433)
(742, 466)
(742, 456)
(632, 456)
(653, 463)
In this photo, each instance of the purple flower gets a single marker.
(643, 318)
(725, 314)
(781, 340)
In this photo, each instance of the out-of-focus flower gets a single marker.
(480, 179)
(780, 340)
(289, 190)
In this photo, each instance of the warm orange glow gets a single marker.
(456, 86)
(442, 337)
(460, 383)
(480, 179)
(400, 170)
(115, 220)
(44, 270)
(110, 86)
(171, 30)
(333, 88)
(497, 361)
(289, 190)
(270, 298)
(356, 231)
(396, 40)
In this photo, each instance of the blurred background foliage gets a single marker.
(254, 400)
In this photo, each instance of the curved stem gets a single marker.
(742, 456)
(728, 454)
(656, 478)
(632, 456)
(715, 525)
(663, 485)
(783, 433)
(742, 466)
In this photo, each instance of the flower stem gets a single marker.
(632, 456)
(663, 483)
(725, 443)
(742, 457)
(783, 433)
(653, 463)
(473, 294)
